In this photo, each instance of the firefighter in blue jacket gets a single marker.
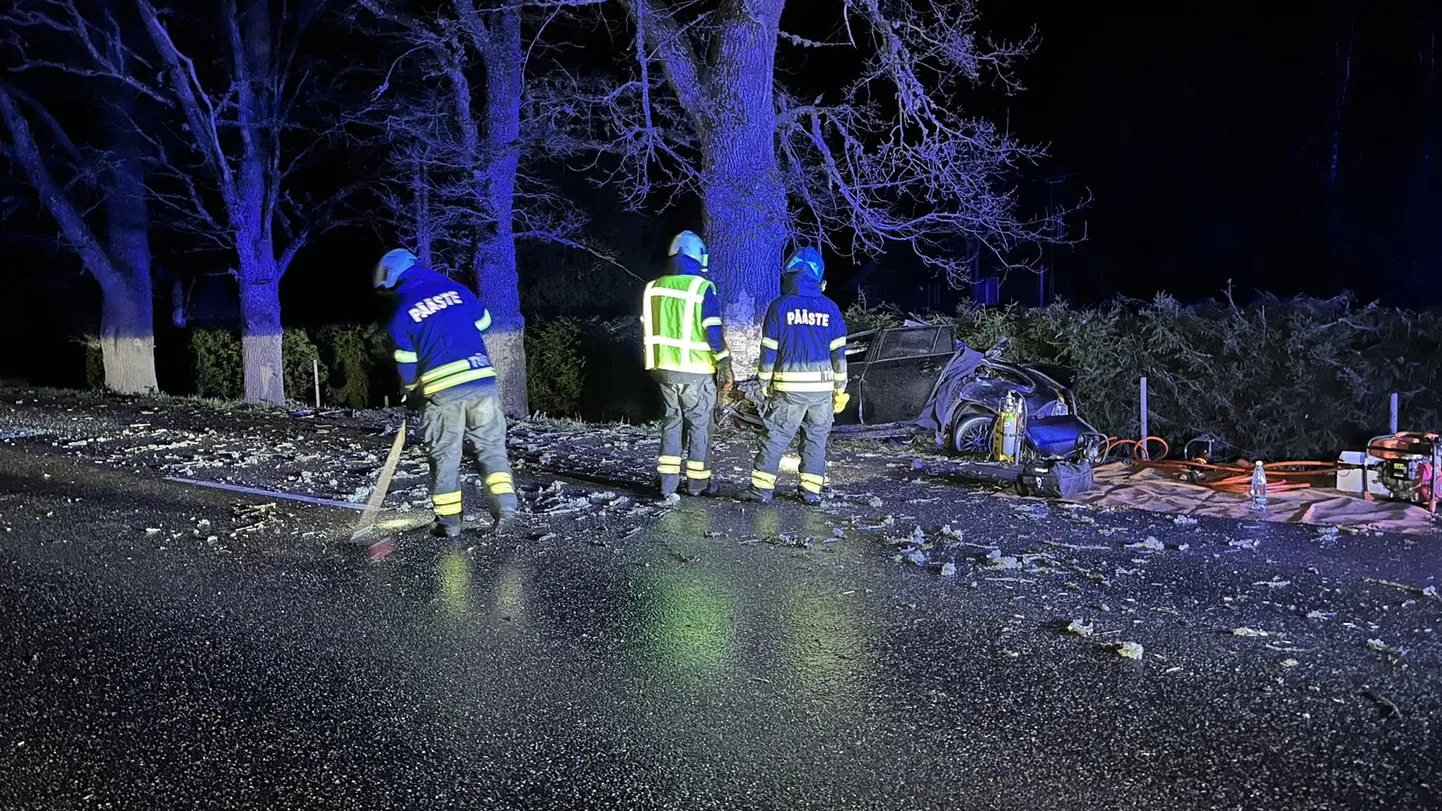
(686, 354)
(442, 360)
(803, 377)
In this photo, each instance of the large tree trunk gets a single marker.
(127, 318)
(498, 284)
(127, 338)
(743, 198)
(122, 270)
(424, 218)
(261, 336)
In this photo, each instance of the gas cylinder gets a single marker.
(1006, 436)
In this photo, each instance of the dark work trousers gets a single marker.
(446, 425)
(686, 435)
(787, 413)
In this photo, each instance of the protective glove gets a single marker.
(725, 378)
(839, 399)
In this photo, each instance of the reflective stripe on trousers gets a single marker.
(446, 427)
(786, 414)
(686, 432)
(447, 504)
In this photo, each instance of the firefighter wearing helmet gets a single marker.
(442, 360)
(686, 354)
(803, 377)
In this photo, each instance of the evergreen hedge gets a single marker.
(1272, 379)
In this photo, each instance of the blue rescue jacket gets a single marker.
(803, 339)
(437, 332)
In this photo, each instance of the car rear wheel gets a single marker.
(971, 434)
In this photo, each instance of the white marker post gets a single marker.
(315, 368)
(1144, 435)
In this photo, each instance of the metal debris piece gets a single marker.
(1130, 650)
(1388, 707)
(252, 510)
(1382, 647)
(1430, 591)
(1252, 632)
(1080, 628)
(1289, 663)
(996, 560)
(789, 540)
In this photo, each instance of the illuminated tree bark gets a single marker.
(120, 265)
(879, 157)
(237, 131)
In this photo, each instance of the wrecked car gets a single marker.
(918, 378)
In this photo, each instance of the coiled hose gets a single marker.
(1233, 477)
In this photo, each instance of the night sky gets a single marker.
(1201, 135)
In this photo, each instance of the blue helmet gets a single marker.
(808, 261)
(388, 271)
(687, 243)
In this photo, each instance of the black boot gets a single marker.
(505, 523)
(446, 526)
(706, 488)
(756, 495)
(809, 497)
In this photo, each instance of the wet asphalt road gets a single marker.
(205, 665)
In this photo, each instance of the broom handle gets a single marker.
(378, 496)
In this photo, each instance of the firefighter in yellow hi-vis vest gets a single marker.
(686, 354)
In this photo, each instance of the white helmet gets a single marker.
(687, 243)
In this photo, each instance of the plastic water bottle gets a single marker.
(1257, 496)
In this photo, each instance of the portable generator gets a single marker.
(1407, 467)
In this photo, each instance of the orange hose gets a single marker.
(1235, 477)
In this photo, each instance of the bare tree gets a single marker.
(69, 178)
(451, 108)
(223, 173)
(243, 142)
(887, 156)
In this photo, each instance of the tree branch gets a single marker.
(669, 43)
(72, 224)
(321, 219)
(200, 114)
